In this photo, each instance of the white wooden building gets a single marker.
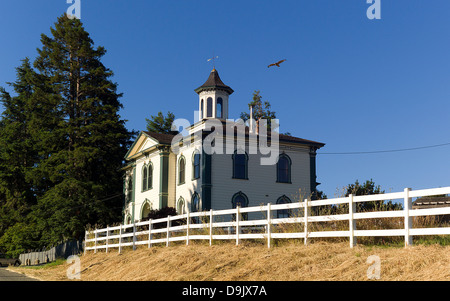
(187, 177)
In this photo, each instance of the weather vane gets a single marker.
(213, 59)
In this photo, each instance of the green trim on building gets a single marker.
(206, 178)
(133, 191)
(312, 173)
(164, 177)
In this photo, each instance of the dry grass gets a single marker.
(252, 261)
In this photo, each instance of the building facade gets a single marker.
(177, 170)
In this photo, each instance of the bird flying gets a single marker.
(276, 64)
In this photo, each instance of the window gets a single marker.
(202, 115)
(147, 177)
(144, 178)
(181, 170)
(130, 190)
(241, 200)
(240, 165)
(146, 209)
(195, 203)
(209, 105)
(284, 169)
(181, 206)
(219, 108)
(283, 213)
(150, 176)
(196, 166)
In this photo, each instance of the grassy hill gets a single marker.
(254, 262)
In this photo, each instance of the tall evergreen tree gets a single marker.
(91, 138)
(17, 158)
(69, 109)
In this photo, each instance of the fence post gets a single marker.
(408, 219)
(134, 235)
(237, 225)
(150, 226)
(107, 235)
(95, 231)
(269, 217)
(210, 226)
(120, 238)
(168, 230)
(85, 238)
(305, 215)
(188, 222)
(351, 221)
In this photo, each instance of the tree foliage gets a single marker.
(261, 110)
(160, 123)
(62, 142)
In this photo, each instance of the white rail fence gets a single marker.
(204, 223)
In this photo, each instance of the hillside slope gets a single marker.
(227, 262)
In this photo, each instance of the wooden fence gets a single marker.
(204, 225)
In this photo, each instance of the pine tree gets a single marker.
(160, 123)
(261, 110)
(65, 166)
(17, 158)
(86, 149)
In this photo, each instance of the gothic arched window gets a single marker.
(283, 213)
(219, 108)
(240, 165)
(284, 169)
(202, 115)
(181, 170)
(144, 178)
(196, 166)
(150, 176)
(181, 209)
(209, 107)
(241, 200)
(195, 202)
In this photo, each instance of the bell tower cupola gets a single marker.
(213, 97)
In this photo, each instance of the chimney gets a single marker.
(251, 122)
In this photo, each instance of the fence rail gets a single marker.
(201, 225)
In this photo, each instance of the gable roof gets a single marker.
(157, 138)
(160, 137)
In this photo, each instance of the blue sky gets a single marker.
(356, 84)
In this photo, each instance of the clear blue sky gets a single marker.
(355, 84)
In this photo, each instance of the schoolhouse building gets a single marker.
(177, 170)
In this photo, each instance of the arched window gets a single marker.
(202, 115)
(150, 176)
(241, 200)
(219, 109)
(284, 169)
(144, 178)
(196, 166)
(209, 107)
(130, 189)
(181, 209)
(181, 170)
(195, 202)
(146, 208)
(283, 213)
(240, 166)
